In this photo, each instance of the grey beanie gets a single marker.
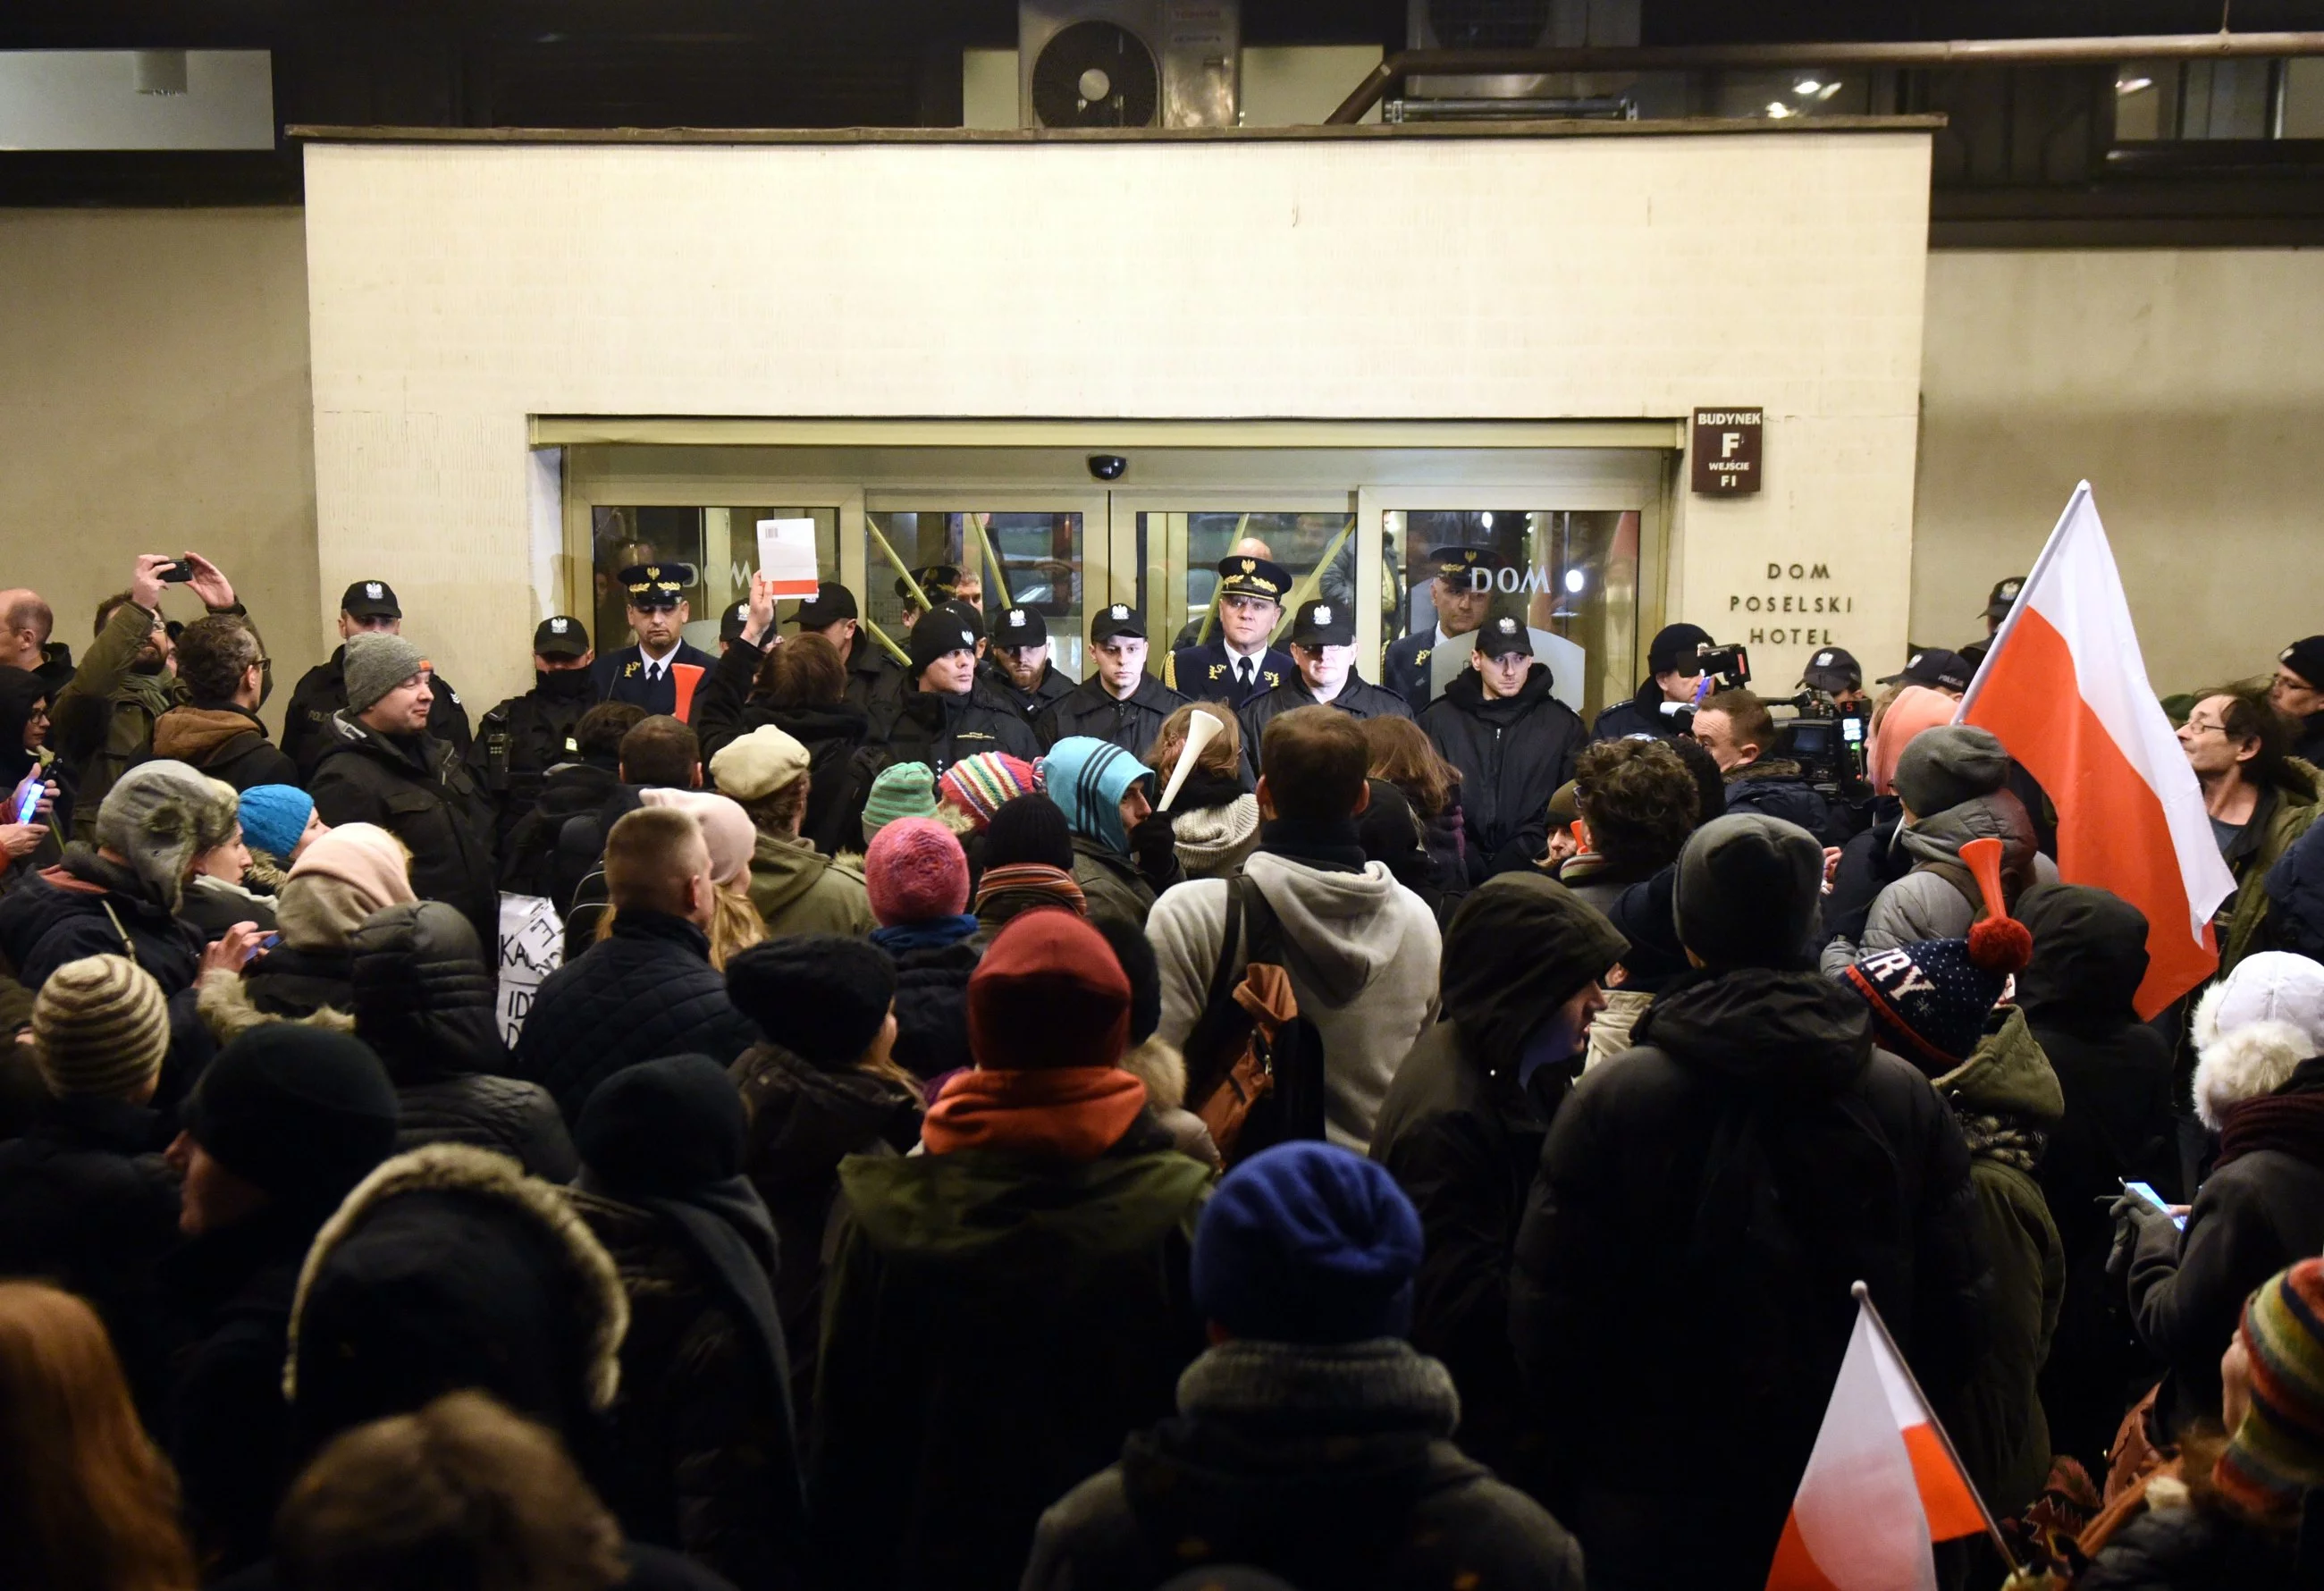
(377, 664)
(159, 815)
(1944, 767)
(1747, 888)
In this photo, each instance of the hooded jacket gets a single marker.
(426, 1002)
(225, 741)
(417, 788)
(1925, 904)
(1362, 950)
(85, 905)
(322, 694)
(1087, 778)
(1090, 708)
(797, 889)
(1329, 1466)
(939, 728)
(1755, 1150)
(726, 708)
(1513, 754)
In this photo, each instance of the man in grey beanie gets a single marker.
(383, 767)
(1704, 1202)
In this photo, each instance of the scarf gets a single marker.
(2001, 1139)
(1073, 1113)
(1020, 886)
(1333, 845)
(932, 934)
(2288, 1123)
(1304, 1388)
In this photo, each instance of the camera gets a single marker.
(1828, 743)
(1107, 466)
(1729, 667)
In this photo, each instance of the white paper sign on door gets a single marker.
(786, 555)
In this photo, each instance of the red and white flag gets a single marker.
(1881, 1486)
(2065, 689)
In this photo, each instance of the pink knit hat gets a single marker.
(1915, 708)
(978, 785)
(726, 829)
(916, 872)
(364, 856)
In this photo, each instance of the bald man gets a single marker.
(26, 622)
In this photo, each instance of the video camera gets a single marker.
(1723, 668)
(1828, 742)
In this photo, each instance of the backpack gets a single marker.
(1254, 1064)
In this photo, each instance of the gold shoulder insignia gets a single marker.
(1421, 655)
(630, 670)
(1218, 669)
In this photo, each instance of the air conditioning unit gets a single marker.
(1129, 63)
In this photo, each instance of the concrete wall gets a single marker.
(153, 397)
(456, 291)
(2187, 386)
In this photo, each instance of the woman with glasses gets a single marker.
(29, 772)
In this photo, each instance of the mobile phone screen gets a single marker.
(2146, 1191)
(30, 803)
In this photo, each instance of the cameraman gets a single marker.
(1673, 678)
(1838, 676)
(1738, 732)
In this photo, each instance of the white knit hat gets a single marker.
(2253, 1026)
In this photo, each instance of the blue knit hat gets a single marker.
(1087, 778)
(1307, 1243)
(273, 816)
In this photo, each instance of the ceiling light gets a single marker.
(1777, 110)
(1486, 520)
(1574, 580)
(1806, 86)
(1828, 90)
(2133, 84)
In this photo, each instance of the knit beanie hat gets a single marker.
(2253, 1028)
(303, 1113)
(1307, 1243)
(1948, 764)
(273, 816)
(1029, 829)
(916, 872)
(1087, 778)
(978, 784)
(2276, 1455)
(754, 766)
(902, 790)
(943, 630)
(1930, 1001)
(662, 1129)
(726, 828)
(377, 663)
(159, 815)
(819, 996)
(1748, 889)
(1048, 993)
(100, 1026)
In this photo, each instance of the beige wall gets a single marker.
(2187, 386)
(456, 291)
(153, 397)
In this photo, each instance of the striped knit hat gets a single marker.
(100, 1026)
(2277, 1454)
(978, 785)
(907, 789)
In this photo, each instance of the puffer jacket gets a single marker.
(427, 1004)
(931, 999)
(1513, 754)
(1925, 904)
(85, 905)
(313, 988)
(2201, 1546)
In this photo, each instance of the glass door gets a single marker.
(1011, 550)
(1180, 537)
(718, 544)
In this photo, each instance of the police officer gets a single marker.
(1237, 663)
(1018, 666)
(1462, 593)
(367, 607)
(1674, 680)
(1513, 743)
(660, 671)
(1837, 675)
(1323, 649)
(943, 583)
(1120, 702)
(524, 737)
(949, 714)
(1997, 603)
(1936, 668)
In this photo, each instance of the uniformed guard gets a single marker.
(1462, 594)
(1513, 742)
(1237, 664)
(1323, 651)
(943, 583)
(524, 737)
(731, 623)
(367, 607)
(1017, 665)
(1120, 702)
(660, 671)
(949, 713)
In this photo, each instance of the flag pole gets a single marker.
(1863, 1295)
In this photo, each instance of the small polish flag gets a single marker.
(2065, 689)
(1883, 1483)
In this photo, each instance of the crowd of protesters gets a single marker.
(1226, 1118)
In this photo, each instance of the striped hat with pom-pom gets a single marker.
(2275, 1457)
(1930, 1001)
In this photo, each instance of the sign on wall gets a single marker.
(1727, 450)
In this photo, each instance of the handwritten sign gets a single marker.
(532, 946)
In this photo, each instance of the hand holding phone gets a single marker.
(29, 796)
(2145, 1191)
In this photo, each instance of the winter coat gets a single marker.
(427, 1004)
(212, 905)
(1776, 787)
(939, 728)
(322, 694)
(1869, 862)
(102, 722)
(1926, 904)
(797, 889)
(876, 682)
(702, 1458)
(932, 1003)
(2201, 1547)
(88, 906)
(725, 710)
(417, 789)
(1090, 708)
(1665, 1183)
(1054, 685)
(646, 990)
(2114, 1072)
(225, 741)
(2295, 896)
(1358, 698)
(518, 743)
(1362, 950)
(2006, 1100)
(995, 1325)
(532, 855)
(284, 984)
(1513, 754)
(87, 1203)
(804, 1121)
(2287, 810)
(1111, 883)
(1642, 714)
(1330, 1467)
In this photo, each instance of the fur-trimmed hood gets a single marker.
(430, 1257)
(1162, 1069)
(229, 1011)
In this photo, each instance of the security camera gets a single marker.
(1107, 466)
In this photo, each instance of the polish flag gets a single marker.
(1882, 1486)
(2065, 689)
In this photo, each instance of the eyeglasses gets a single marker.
(37, 715)
(2201, 727)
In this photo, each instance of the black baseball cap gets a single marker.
(371, 599)
(1832, 671)
(1935, 667)
(937, 581)
(562, 636)
(733, 621)
(1243, 575)
(1116, 620)
(1021, 626)
(1453, 562)
(656, 585)
(1503, 635)
(2306, 660)
(832, 603)
(1673, 644)
(2002, 597)
(1324, 624)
